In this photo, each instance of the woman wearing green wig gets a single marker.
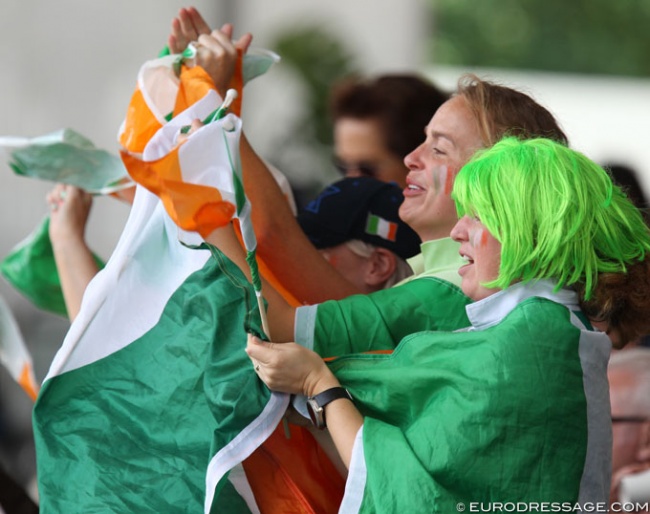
(515, 407)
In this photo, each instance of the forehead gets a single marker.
(455, 122)
(350, 132)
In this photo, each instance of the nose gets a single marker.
(412, 160)
(460, 232)
(353, 172)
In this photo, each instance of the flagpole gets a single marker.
(231, 95)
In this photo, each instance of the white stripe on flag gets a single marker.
(128, 280)
(246, 442)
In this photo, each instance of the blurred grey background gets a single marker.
(73, 63)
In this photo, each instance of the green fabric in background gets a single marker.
(68, 157)
(31, 269)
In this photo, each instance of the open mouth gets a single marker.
(467, 258)
(412, 188)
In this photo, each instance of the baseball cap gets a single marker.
(361, 208)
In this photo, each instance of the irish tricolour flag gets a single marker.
(148, 406)
(378, 226)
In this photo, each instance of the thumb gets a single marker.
(256, 348)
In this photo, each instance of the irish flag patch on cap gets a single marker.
(376, 226)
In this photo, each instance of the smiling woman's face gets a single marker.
(482, 252)
(452, 137)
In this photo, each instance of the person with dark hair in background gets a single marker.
(626, 178)
(378, 122)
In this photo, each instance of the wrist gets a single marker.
(316, 405)
(63, 239)
(325, 381)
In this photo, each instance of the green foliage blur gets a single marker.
(303, 148)
(609, 37)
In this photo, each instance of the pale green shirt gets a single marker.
(438, 258)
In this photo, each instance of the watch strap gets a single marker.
(329, 395)
(316, 404)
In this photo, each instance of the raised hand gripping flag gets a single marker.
(168, 85)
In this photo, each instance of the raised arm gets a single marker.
(281, 243)
(69, 211)
(186, 27)
(280, 314)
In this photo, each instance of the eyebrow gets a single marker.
(441, 135)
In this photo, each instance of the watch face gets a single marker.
(315, 413)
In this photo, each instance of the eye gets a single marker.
(438, 151)
(367, 170)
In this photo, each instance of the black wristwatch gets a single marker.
(316, 404)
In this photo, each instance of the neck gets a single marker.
(431, 234)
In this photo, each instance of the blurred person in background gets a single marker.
(354, 224)
(366, 112)
(629, 389)
(627, 179)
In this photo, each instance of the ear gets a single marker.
(381, 266)
(643, 448)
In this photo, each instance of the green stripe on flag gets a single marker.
(132, 432)
(372, 226)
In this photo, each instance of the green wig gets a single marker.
(555, 212)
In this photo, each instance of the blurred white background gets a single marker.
(73, 63)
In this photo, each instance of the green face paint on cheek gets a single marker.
(443, 181)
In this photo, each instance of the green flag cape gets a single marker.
(513, 410)
(380, 320)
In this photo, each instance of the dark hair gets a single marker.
(626, 178)
(502, 111)
(402, 104)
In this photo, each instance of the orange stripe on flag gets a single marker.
(26, 381)
(293, 475)
(194, 85)
(140, 124)
(192, 207)
(237, 83)
(392, 232)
